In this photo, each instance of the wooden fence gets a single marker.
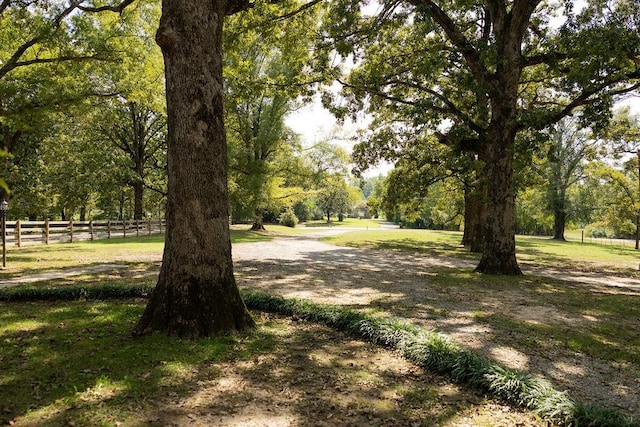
(22, 233)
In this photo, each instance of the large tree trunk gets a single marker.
(475, 212)
(559, 219)
(196, 294)
(258, 224)
(474, 219)
(499, 252)
(138, 199)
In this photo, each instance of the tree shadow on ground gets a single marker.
(76, 364)
(567, 332)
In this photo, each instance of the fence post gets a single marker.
(46, 231)
(18, 231)
(108, 229)
(149, 226)
(124, 228)
(91, 229)
(137, 228)
(71, 231)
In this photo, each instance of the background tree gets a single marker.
(488, 71)
(266, 61)
(569, 148)
(43, 49)
(69, 59)
(140, 134)
(622, 212)
(335, 198)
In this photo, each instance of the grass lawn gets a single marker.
(38, 258)
(537, 251)
(75, 363)
(346, 223)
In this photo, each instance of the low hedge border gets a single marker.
(428, 349)
(74, 292)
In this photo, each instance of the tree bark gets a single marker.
(559, 219)
(474, 219)
(138, 199)
(258, 224)
(196, 294)
(475, 212)
(499, 252)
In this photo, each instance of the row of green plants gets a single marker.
(428, 349)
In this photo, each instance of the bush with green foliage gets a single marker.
(288, 218)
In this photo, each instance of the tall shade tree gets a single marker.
(622, 212)
(44, 47)
(569, 148)
(623, 139)
(478, 74)
(139, 132)
(196, 293)
(266, 72)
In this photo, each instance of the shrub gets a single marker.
(288, 218)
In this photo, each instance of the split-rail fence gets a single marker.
(22, 233)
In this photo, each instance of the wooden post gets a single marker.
(149, 226)
(124, 228)
(18, 231)
(91, 229)
(109, 229)
(137, 228)
(70, 231)
(46, 231)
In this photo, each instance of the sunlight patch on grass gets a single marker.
(104, 389)
(23, 326)
(538, 251)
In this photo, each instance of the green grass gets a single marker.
(75, 363)
(61, 358)
(346, 223)
(39, 258)
(538, 251)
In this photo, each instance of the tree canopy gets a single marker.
(478, 74)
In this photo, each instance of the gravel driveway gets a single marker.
(402, 284)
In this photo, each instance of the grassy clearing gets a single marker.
(74, 363)
(532, 315)
(39, 258)
(539, 251)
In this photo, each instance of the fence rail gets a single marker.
(22, 233)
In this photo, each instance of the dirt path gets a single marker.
(403, 285)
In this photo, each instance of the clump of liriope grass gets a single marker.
(74, 292)
(435, 352)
